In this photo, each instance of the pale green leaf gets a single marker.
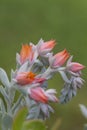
(7, 122)
(4, 78)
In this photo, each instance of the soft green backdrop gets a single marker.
(23, 21)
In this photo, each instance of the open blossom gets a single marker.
(24, 78)
(45, 47)
(59, 59)
(39, 95)
(75, 67)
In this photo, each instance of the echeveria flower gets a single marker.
(75, 67)
(59, 59)
(38, 94)
(36, 64)
(45, 47)
(24, 78)
(26, 53)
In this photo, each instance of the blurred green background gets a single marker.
(23, 21)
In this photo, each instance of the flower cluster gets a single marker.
(36, 64)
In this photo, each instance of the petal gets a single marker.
(51, 91)
(48, 45)
(45, 47)
(24, 78)
(26, 53)
(75, 67)
(38, 94)
(60, 58)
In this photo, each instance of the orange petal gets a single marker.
(48, 45)
(61, 57)
(25, 52)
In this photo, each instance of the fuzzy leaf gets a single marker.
(85, 127)
(19, 103)
(3, 92)
(34, 112)
(7, 122)
(4, 78)
(12, 74)
(0, 119)
(2, 106)
(24, 67)
(18, 59)
(83, 110)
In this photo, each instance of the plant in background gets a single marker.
(36, 64)
(83, 109)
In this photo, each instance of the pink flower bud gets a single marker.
(59, 59)
(75, 67)
(38, 95)
(48, 45)
(45, 47)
